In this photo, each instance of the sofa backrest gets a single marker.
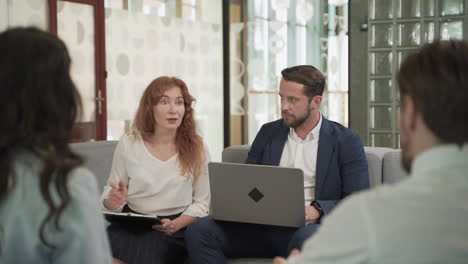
(376, 157)
(384, 163)
(97, 157)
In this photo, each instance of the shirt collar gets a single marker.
(313, 134)
(447, 155)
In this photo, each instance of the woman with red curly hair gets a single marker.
(158, 169)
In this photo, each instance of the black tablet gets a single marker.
(132, 219)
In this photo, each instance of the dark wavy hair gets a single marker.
(436, 78)
(38, 105)
(189, 144)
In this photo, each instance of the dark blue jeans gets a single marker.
(211, 241)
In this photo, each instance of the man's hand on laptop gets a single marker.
(280, 260)
(311, 213)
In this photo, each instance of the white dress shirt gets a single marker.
(302, 154)
(423, 219)
(156, 187)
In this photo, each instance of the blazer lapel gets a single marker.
(326, 147)
(277, 144)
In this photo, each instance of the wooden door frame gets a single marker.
(100, 58)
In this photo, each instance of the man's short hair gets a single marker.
(307, 75)
(436, 78)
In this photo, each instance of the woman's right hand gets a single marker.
(117, 196)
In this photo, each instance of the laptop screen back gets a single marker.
(257, 194)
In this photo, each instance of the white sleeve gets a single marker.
(118, 170)
(343, 237)
(201, 192)
(83, 238)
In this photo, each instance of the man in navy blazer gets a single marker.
(341, 161)
(332, 159)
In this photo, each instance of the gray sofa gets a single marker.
(384, 167)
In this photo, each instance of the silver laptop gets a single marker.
(257, 194)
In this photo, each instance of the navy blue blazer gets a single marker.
(341, 161)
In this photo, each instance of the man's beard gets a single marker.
(298, 121)
(406, 159)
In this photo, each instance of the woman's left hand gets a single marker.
(167, 226)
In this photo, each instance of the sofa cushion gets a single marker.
(392, 170)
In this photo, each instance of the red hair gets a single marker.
(189, 144)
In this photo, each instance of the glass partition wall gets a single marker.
(279, 34)
(397, 28)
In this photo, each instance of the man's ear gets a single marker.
(408, 113)
(316, 101)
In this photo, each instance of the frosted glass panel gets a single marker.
(337, 78)
(408, 9)
(381, 140)
(380, 117)
(190, 2)
(338, 107)
(258, 63)
(27, 13)
(237, 70)
(280, 9)
(380, 63)
(3, 15)
(301, 42)
(409, 34)
(188, 12)
(263, 108)
(278, 47)
(428, 8)
(451, 30)
(381, 91)
(75, 25)
(261, 8)
(452, 7)
(304, 11)
(415, 22)
(382, 35)
(428, 32)
(142, 47)
(381, 9)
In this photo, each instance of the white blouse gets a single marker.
(156, 187)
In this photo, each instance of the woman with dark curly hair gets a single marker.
(49, 204)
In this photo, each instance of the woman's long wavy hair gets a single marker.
(189, 144)
(38, 105)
